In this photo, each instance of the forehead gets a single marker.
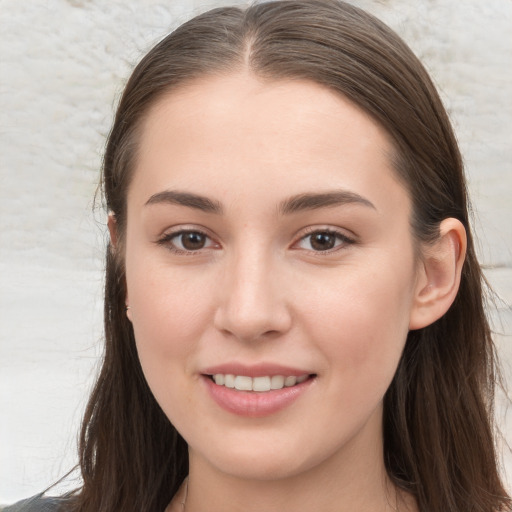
(263, 108)
(261, 135)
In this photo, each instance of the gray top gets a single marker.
(38, 503)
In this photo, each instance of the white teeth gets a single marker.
(261, 384)
(229, 381)
(243, 383)
(277, 382)
(290, 381)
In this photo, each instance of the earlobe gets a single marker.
(112, 228)
(439, 276)
(114, 239)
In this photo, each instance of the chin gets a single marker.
(260, 468)
(266, 460)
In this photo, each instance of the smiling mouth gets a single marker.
(258, 384)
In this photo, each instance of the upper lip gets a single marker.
(254, 370)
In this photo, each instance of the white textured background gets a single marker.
(63, 64)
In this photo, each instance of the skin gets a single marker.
(260, 291)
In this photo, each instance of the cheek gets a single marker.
(360, 323)
(168, 310)
(168, 318)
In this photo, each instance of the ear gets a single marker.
(439, 274)
(112, 228)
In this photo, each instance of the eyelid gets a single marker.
(346, 239)
(166, 239)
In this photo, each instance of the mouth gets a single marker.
(260, 384)
(258, 396)
(258, 389)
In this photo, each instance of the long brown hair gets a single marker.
(438, 433)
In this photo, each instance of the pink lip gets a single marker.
(256, 370)
(253, 403)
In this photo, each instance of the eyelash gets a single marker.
(167, 240)
(340, 236)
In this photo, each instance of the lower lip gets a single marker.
(255, 404)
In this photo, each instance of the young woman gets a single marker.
(293, 312)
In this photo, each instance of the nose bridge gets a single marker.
(252, 303)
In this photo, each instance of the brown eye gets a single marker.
(187, 241)
(192, 240)
(324, 240)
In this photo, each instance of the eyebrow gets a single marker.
(294, 204)
(313, 201)
(186, 199)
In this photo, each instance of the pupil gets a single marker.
(322, 241)
(193, 241)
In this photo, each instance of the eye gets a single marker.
(186, 241)
(323, 240)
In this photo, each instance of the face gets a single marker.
(268, 247)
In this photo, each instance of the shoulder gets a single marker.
(38, 503)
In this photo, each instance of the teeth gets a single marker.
(229, 381)
(277, 382)
(243, 383)
(290, 381)
(261, 384)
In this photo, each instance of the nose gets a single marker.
(253, 303)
